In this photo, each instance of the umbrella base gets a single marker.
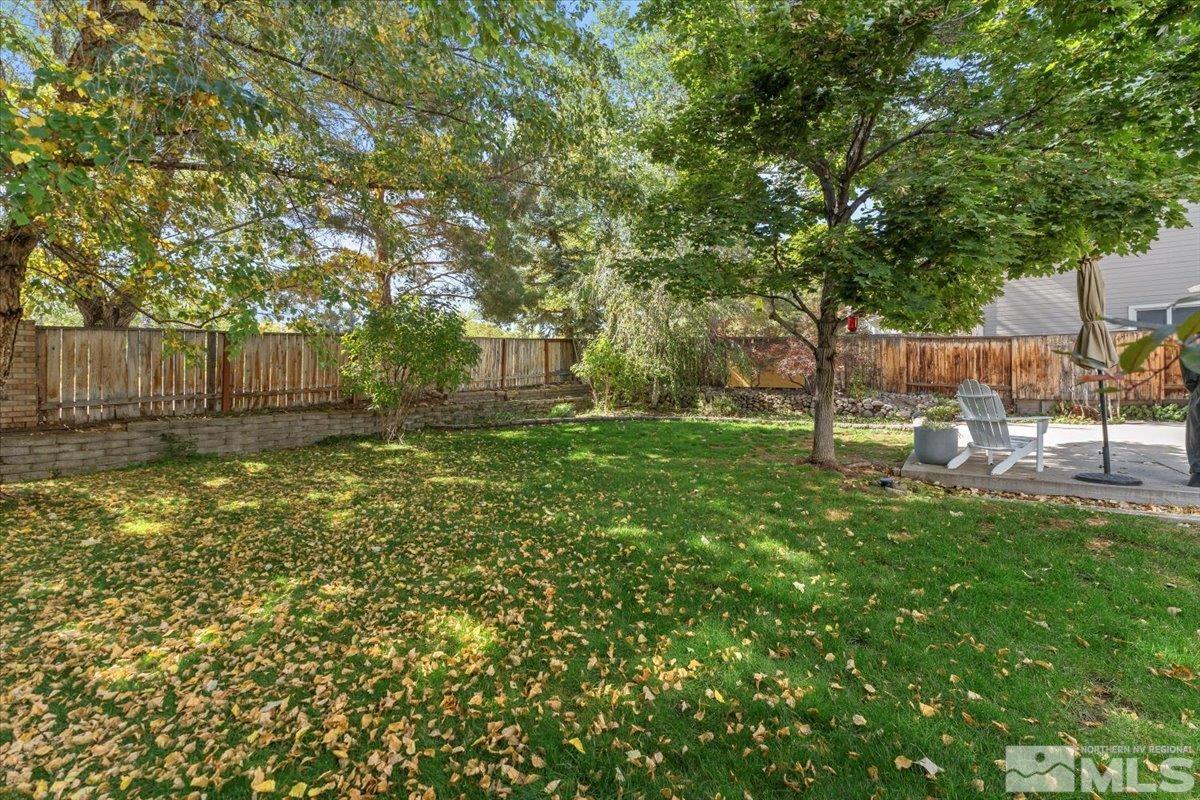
(1108, 478)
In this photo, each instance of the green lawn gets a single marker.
(641, 609)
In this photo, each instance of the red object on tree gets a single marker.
(851, 324)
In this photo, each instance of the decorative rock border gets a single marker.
(880, 405)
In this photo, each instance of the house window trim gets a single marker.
(1167, 307)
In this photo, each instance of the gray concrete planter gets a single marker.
(935, 445)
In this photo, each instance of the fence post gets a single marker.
(226, 376)
(210, 371)
(503, 364)
(545, 362)
(1012, 370)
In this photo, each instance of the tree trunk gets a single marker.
(16, 243)
(823, 406)
(106, 312)
(393, 424)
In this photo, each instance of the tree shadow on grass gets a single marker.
(694, 616)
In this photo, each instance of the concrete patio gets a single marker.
(1153, 452)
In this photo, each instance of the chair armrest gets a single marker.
(1043, 423)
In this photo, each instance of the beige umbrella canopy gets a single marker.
(1094, 342)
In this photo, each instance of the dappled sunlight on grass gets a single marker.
(460, 632)
(143, 527)
(779, 553)
(457, 480)
(623, 608)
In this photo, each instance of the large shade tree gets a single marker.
(205, 115)
(842, 156)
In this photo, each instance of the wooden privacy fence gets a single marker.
(95, 374)
(1026, 370)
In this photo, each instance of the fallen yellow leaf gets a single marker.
(578, 745)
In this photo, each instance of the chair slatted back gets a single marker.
(983, 411)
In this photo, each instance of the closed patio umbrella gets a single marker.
(1094, 347)
(1094, 342)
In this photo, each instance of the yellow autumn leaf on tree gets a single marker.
(20, 157)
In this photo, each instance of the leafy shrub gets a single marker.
(786, 357)
(717, 405)
(403, 351)
(610, 372)
(1168, 412)
(1065, 413)
(667, 346)
(941, 416)
(561, 410)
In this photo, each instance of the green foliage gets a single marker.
(614, 379)
(1165, 412)
(403, 351)
(1187, 333)
(1065, 413)
(717, 404)
(198, 162)
(943, 415)
(905, 159)
(562, 410)
(666, 344)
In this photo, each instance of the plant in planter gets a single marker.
(935, 436)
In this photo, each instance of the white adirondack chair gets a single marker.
(983, 411)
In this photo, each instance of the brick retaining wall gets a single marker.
(35, 455)
(18, 398)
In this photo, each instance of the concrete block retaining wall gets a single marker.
(36, 455)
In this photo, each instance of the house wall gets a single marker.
(1048, 305)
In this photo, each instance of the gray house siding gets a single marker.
(1135, 286)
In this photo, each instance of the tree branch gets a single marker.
(347, 83)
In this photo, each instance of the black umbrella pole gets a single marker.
(1104, 427)
(1107, 476)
